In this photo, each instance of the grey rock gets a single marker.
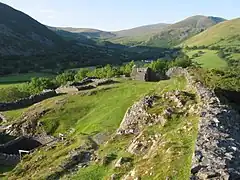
(218, 132)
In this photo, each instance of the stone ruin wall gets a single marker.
(27, 143)
(217, 149)
(22, 103)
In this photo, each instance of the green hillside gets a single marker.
(88, 115)
(180, 31)
(22, 35)
(223, 34)
(157, 35)
(207, 59)
(87, 32)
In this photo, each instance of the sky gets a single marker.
(114, 15)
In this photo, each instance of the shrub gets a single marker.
(37, 85)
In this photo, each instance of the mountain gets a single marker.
(156, 35)
(139, 31)
(226, 33)
(22, 35)
(95, 33)
(135, 35)
(87, 32)
(176, 33)
(27, 45)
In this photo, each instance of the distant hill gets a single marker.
(156, 35)
(226, 33)
(99, 34)
(180, 31)
(136, 36)
(22, 35)
(142, 30)
(87, 32)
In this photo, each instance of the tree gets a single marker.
(81, 74)
(184, 62)
(127, 69)
(159, 65)
(10, 94)
(65, 77)
(37, 85)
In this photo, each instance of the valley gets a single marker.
(159, 101)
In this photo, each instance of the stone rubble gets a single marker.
(137, 117)
(217, 150)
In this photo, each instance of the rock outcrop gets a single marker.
(137, 117)
(217, 150)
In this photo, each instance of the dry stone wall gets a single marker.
(22, 103)
(217, 149)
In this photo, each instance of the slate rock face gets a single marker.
(217, 150)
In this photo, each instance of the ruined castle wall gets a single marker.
(22, 103)
(217, 149)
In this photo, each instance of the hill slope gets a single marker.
(22, 35)
(157, 35)
(87, 32)
(139, 31)
(27, 45)
(137, 35)
(225, 33)
(178, 32)
(126, 37)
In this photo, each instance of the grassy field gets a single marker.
(173, 158)
(209, 59)
(19, 78)
(89, 114)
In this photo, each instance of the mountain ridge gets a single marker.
(20, 34)
(160, 34)
(224, 33)
(182, 30)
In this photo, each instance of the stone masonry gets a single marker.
(22, 103)
(217, 149)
